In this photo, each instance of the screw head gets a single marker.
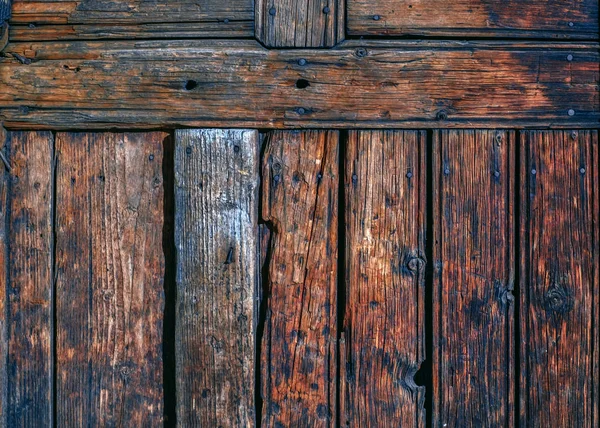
(272, 11)
(326, 9)
(301, 61)
(571, 112)
(361, 52)
(188, 150)
(569, 57)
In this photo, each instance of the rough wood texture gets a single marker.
(386, 208)
(50, 20)
(300, 23)
(4, 10)
(300, 202)
(560, 216)
(474, 18)
(110, 269)
(473, 358)
(237, 83)
(216, 209)
(26, 280)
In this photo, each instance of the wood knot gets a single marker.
(558, 299)
(415, 264)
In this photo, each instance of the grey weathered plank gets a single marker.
(409, 84)
(96, 19)
(386, 209)
(300, 23)
(26, 280)
(474, 263)
(299, 350)
(109, 272)
(560, 279)
(216, 209)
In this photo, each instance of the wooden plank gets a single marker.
(216, 235)
(385, 245)
(26, 272)
(110, 269)
(155, 84)
(560, 216)
(88, 19)
(475, 18)
(300, 23)
(300, 202)
(473, 358)
(4, 10)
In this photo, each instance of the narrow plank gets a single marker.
(131, 18)
(300, 23)
(479, 18)
(300, 201)
(216, 235)
(110, 270)
(473, 358)
(559, 381)
(26, 272)
(72, 85)
(386, 208)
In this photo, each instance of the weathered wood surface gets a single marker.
(560, 215)
(300, 202)
(216, 210)
(26, 280)
(109, 273)
(300, 23)
(89, 19)
(386, 208)
(406, 84)
(474, 18)
(5, 7)
(473, 326)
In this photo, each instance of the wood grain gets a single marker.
(475, 18)
(5, 6)
(386, 208)
(360, 84)
(50, 20)
(26, 272)
(300, 23)
(216, 235)
(110, 273)
(300, 202)
(473, 328)
(560, 281)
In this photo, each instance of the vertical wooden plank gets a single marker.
(216, 210)
(300, 23)
(559, 382)
(473, 192)
(300, 202)
(386, 209)
(26, 291)
(110, 270)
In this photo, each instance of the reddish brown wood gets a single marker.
(360, 84)
(109, 289)
(300, 201)
(474, 18)
(473, 326)
(300, 23)
(26, 280)
(386, 208)
(216, 210)
(560, 281)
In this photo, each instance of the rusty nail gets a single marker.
(361, 52)
(376, 17)
(571, 112)
(534, 171)
(326, 9)
(569, 57)
(582, 170)
(272, 11)
(301, 61)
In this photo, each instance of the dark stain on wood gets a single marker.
(560, 215)
(109, 279)
(300, 191)
(531, 84)
(473, 359)
(216, 215)
(386, 208)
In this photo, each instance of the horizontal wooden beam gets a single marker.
(360, 84)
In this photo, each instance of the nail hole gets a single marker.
(190, 84)
(302, 83)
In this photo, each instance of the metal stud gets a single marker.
(571, 112)
(569, 57)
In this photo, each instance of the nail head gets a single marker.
(533, 171)
(272, 11)
(571, 112)
(376, 17)
(301, 61)
(582, 170)
(569, 57)
(326, 9)
(409, 174)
